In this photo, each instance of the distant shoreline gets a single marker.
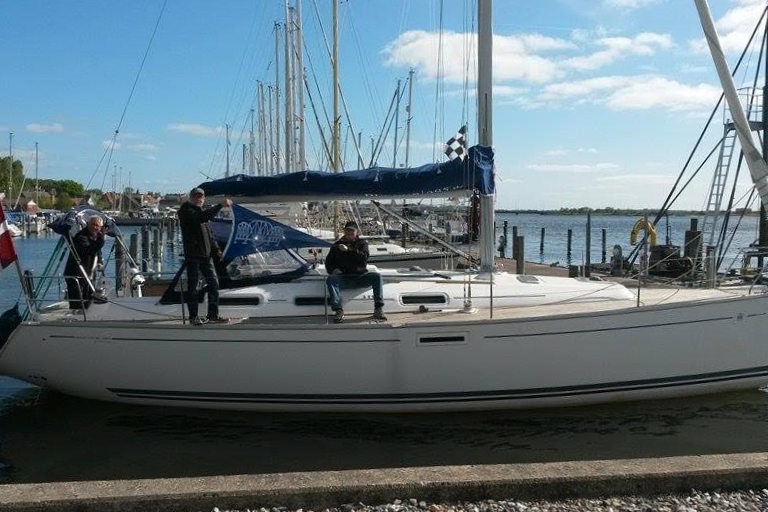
(614, 211)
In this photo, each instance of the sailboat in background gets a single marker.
(454, 341)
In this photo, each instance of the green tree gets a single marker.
(63, 202)
(71, 188)
(16, 176)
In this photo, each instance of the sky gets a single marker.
(597, 103)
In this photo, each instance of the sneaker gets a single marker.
(218, 320)
(196, 320)
(378, 313)
(338, 317)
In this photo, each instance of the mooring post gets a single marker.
(588, 253)
(605, 253)
(144, 249)
(520, 255)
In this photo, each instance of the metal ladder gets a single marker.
(751, 99)
(717, 187)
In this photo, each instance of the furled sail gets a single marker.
(474, 173)
(757, 166)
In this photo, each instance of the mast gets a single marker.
(336, 120)
(397, 120)
(408, 120)
(758, 168)
(277, 99)
(485, 123)
(10, 169)
(252, 146)
(302, 155)
(288, 90)
(226, 127)
(37, 186)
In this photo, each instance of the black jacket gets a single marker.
(88, 250)
(196, 233)
(352, 261)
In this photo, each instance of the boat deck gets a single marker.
(651, 296)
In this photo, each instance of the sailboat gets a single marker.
(453, 340)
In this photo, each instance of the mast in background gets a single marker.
(336, 120)
(37, 185)
(10, 169)
(301, 157)
(408, 120)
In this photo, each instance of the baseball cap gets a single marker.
(351, 225)
(197, 191)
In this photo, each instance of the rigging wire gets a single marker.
(109, 150)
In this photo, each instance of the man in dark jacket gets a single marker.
(84, 255)
(346, 264)
(199, 248)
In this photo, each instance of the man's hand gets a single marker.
(343, 248)
(226, 202)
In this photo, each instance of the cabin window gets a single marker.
(424, 298)
(239, 301)
(528, 279)
(444, 338)
(309, 301)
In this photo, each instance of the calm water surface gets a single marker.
(49, 437)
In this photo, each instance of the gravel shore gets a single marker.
(695, 501)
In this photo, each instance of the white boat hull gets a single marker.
(454, 362)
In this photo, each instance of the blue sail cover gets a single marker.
(78, 217)
(475, 174)
(254, 233)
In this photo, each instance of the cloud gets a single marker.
(515, 56)
(573, 168)
(639, 179)
(142, 148)
(629, 4)
(615, 48)
(45, 128)
(564, 151)
(734, 27)
(633, 93)
(197, 130)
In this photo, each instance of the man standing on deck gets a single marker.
(347, 268)
(84, 256)
(199, 248)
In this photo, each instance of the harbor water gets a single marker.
(49, 437)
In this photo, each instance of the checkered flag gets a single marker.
(456, 147)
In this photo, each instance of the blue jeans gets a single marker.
(194, 269)
(337, 281)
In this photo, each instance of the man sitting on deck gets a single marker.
(346, 264)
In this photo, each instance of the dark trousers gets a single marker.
(336, 282)
(194, 270)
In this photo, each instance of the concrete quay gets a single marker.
(440, 484)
